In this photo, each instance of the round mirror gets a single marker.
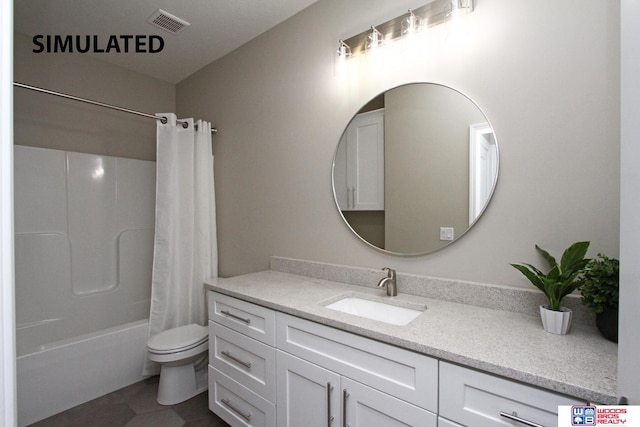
(415, 168)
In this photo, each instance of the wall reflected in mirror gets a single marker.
(415, 168)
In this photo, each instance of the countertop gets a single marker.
(581, 364)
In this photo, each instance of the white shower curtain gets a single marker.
(185, 248)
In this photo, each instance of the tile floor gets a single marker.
(136, 406)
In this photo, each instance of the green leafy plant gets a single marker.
(561, 279)
(599, 284)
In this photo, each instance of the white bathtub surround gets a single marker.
(83, 244)
(77, 370)
(185, 251)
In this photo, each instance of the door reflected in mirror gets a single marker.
(415, 168)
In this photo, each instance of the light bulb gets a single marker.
(374, 39)
(411, 24)
(344, 50)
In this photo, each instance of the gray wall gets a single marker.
(51, 122)
(546, 73)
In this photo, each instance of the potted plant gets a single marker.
(557, 283)
(599, 288)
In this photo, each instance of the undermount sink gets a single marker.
(381, 311)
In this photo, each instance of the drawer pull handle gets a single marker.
(329, 416)
(231, 406)
(235, 316)
(514, 417)
(235, 359)
(345, 394)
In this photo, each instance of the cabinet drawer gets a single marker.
(250, 319)
(475, 399)
(251, 363)
(407, 375)
(238, 405)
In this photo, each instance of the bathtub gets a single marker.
(70, 372)
(83, 258)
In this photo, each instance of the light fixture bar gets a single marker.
(433, 13)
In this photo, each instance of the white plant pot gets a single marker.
(556, 322)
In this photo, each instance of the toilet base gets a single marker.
(180, 383)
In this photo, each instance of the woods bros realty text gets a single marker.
(96, 44)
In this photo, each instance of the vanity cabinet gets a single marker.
(360, 382)
(337, 400)
(242, 362)
(359, 164)
(477, 399)
(268, 368)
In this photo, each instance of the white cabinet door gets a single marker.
(311, 396)
(308, 395)
(366, 407)
(443, 422)
(362, 172)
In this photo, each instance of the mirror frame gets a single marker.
(471, 225)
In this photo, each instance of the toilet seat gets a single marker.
(178, 339)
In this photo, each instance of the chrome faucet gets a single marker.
(390, 281)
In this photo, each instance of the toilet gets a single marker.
(182, 355)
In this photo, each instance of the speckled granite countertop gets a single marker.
(513, 345)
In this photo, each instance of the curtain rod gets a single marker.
(101, 104)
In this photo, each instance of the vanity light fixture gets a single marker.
(343, 51)
(374, 39)
(411, 24)
(458, 7)
(414, 20)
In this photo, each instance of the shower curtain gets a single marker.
(185, 244)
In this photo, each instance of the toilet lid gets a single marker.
(177, 338)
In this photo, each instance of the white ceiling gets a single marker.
(217, 27)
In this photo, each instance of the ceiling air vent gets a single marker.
(167, 21)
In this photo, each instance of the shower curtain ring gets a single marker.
(164, 120)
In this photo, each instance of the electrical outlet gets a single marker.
(446, 233)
